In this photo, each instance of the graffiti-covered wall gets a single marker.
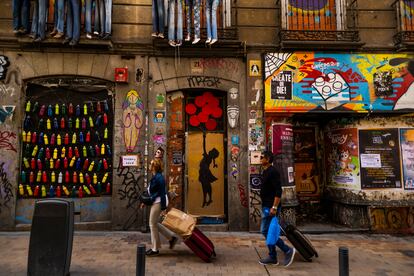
(10, 88)
(316, 81)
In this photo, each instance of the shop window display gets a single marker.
(67, 146)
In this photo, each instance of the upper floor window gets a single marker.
(404, 37)
(313, 14)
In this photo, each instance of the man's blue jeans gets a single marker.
(193, 8)
(264, 228)
(158, 16)
(73, 20)
(211, 18)
(171, 18)
(21, 14)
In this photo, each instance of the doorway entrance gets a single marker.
(204, 185)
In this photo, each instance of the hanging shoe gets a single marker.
(66, 40)
(88, 35)
(178, 43)
(154, 34)
(73, 42)
(161, 35)
(96, 33)
(208, 40)
(188, 37)
(106, 37)
(38, 39)
(54, 32)
(172, 43)
(214, 40)
(196, 40)
(59, 35)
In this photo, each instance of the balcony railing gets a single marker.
(404, 38)
(318, 22)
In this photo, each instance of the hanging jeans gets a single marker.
(270, 226)
(39, 18)
(59, 15)
(193, 9)
(73, 20)
(88, 15)
(21, 14)
(171, 17)
(211, 18)
(158, 16)
(108, 17)
(99, 17)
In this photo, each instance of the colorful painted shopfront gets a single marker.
(352, 132)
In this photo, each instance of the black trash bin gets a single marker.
(51, 237)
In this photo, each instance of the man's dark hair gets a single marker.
(268, 155)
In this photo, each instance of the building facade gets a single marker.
(324, 84)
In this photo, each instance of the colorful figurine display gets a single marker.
(67, 150)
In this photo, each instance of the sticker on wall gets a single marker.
(255, 157)
(177, 158)
(235, 153)
(255, 68)
(132, 118)
(234, 171)
(159, 116)
(256, 181)
(281, 86)
(159, 139)
(130, 160)
(4, 64)
(383, 83)
(233, 115)
(234, 93)
(235, 140)
(160, 100)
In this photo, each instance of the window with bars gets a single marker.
(405, 23)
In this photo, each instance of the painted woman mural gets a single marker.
(132, 119)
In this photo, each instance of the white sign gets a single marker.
(370, 160)
(129, 160)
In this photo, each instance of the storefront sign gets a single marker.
(130, 160)
(380, 150)
(407, 156)
(341, 158)
(281, 86)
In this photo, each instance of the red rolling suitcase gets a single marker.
(201, 245)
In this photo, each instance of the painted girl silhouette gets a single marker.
(205, 176)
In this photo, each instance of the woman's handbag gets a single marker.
(179, 222)
(145, 198)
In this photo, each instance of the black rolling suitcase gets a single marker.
(51, 238)
(300, 242)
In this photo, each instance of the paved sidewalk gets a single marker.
(114, 253)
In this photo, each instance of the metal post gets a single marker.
(140, 270)
(343, 261)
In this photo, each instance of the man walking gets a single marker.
(271, 193)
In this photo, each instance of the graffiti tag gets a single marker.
(243, 198)
(6, 189)
(5, 140)
(129, 191)
(255, 203)
(197, 81)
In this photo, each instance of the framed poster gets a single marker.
(281, 86)
(282, 148)
(407, 156)
(341, 158)
(379, 151)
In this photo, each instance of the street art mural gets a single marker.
(311, 14)
(389, 220)
(340, 82)
(406, 13)
(205, 155)
(133, 119)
